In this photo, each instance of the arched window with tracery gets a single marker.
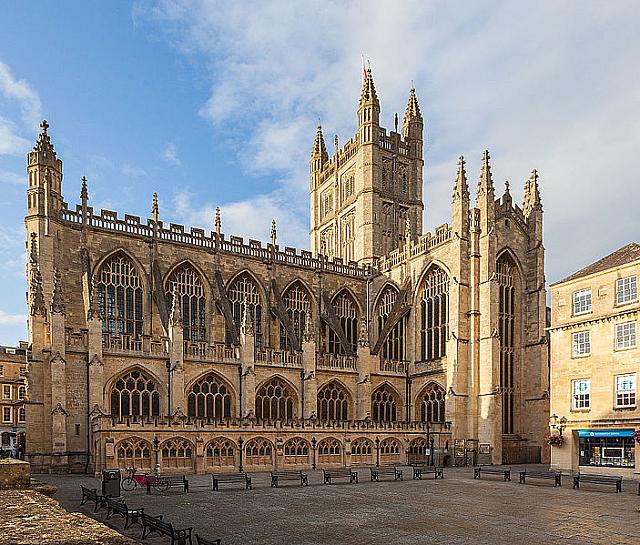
(333, 403)
(347, 312)
(506, 329)
(133, 452)
(349, 236)
(297, 303)
(362, 451)
(296, 452)
(221, 452)
(119, 292)
(417, 451)
(431, 404)
(177, 453)
(135, 395)
(186, 283)
(210, 398)
(329, 451)
(275, 400)
(258, 452)
(390, 451)
(384, 405)
(393, 348)
(242, 289)
(434, 315)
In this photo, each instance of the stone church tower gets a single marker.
(367, 198)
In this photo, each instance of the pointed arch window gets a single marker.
(120, 296)
(384, 405)
(361, 451)
(209, 398)
(297, 302)
(333, 402)
(135, 395)
(348, 236)
(434, 315)
(244, 288)
(296, 451)
(394, 345)
(506, 330)
(329, 451)
(177, 453)
(185, 282)
(221, 452)
(390, 451)
(347, 313)
(432, 403)
(275, 400)
(134, 452)
(258, 452)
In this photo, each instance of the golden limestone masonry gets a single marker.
(154, 344)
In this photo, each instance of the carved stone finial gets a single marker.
(44, 126)
(532, 200)
(84, 194)
(413, 108)
(218, 222)
(363, 336)
(337, 143)
(154, 207)
(57, 301)
(274, 232)
(485, 185)
(319, 149)
(461, 187)
(176, 310)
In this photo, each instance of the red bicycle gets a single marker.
(134, 480)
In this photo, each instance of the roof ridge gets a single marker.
(607, 262)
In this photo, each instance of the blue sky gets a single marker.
(215, 104)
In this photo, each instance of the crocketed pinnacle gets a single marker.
(413, 108)
(154, 207)
(274, 232)
(57, 301)
(532, 199)
(485, 185)
(43, 144)
(369, 95)
(84, 194)
(461, 187)
(319, 149)
(36, 294)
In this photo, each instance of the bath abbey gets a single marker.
(151, 344)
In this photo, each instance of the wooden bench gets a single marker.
(339, 473)
(277, 476)
(420, 470)
(385, 471)
(165, 482)
(203, 541)
(557, 477)
(91, 494)
(488, 470)
(155, 525)
(119, 507)
(598, 479)
(243, 478)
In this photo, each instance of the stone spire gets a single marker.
(57, 301)
(319, 149)
(461, 187)
(274, 232)
(154, 207)
(532, 199)
(369, 95)
(176, 310)
(413, 108)
(485, 185)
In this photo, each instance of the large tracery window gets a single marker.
(393, 347)
(506, 329)
(329, 451)
(177, 453)
(185, 282)
(119, 292)
(333, 403)
(221, 452)
(296, 451)
(434, 315)
(244, 289)
(431, 404)
(347, 313)
(384, 405)
(209, 398)
(275, 400)
(296, 301)
(134, 452)
(135, 395)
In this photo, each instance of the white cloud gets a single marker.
(132, 171)
(10, 142)
(170, 154)
(7, 319)
(12, 178)
(19, 90)
(540, 84)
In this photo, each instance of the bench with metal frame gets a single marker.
(165, 482)
(202, 541)
(119, 507)
(244, 478)
(592, 478)
(551, 475)
(155, 525)
(277, 476)
(339, 473)
(91, 494)
(420, 470)
(478, 471)
(385, 471)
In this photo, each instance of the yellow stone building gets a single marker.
(595, 366)
(13, 385)
(151, 343)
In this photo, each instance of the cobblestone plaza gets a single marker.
(454, 511)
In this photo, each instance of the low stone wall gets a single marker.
(29, 518)
(14, 474)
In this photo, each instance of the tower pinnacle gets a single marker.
(319, 149)
(413, 108)
(154, 207)
(532, 199)
(369, 95)
(485, 185)
(461, 187)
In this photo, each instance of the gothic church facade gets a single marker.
(154, 344)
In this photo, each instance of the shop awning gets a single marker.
(605, 433)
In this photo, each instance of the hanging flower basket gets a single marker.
(637, 436)
(554, 439)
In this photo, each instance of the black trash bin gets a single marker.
(111, 482)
